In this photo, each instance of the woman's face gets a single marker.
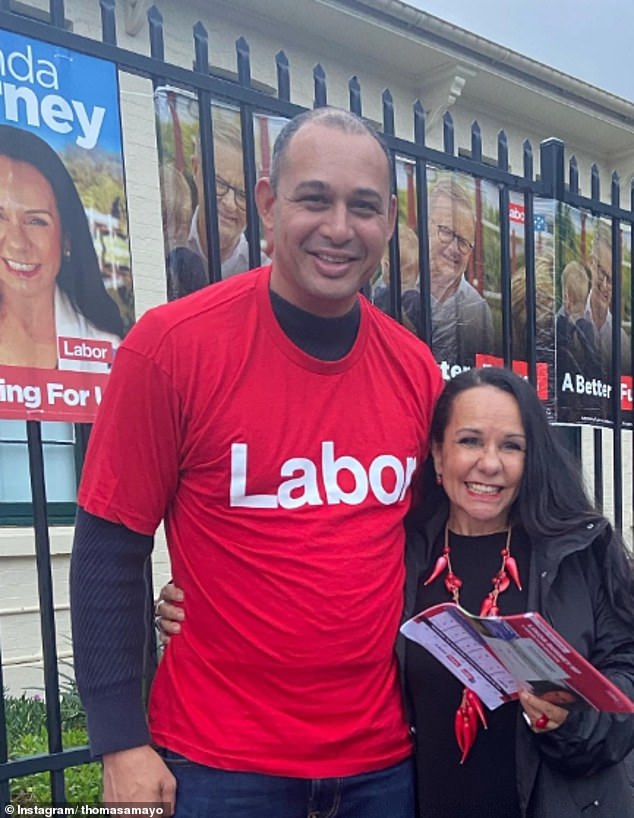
(30, 230)
(481, 459)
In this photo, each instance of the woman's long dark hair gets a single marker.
(79, 275)
(552, 497)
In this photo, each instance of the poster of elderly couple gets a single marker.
(576, 258)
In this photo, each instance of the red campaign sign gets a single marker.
(516, 213)
(626, 393)
(85, 349)
(520, 368)
(43, 394)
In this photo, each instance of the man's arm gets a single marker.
(108, 620)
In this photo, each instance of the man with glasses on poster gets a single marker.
(187, 265)
(461, 319)
(231, 201)
(598, 306)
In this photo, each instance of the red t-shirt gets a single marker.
(283, 481)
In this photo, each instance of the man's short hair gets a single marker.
(225, 130)
(332, 118)
(453, 190)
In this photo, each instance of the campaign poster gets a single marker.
(584, 321)
(409, 266)
(182, 188)
(66, 296)
(464, 265)
(543, 233)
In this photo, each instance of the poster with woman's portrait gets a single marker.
(66, 296)
(187, 255)
(464, 265)
(585, 328)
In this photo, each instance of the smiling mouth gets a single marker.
(21, 268)
(483, 488)
(327, 258)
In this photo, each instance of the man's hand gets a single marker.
(138, 776)
(169, 612)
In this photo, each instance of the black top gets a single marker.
(484, 786)
(328, 339)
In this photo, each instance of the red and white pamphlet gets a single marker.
(498, 656)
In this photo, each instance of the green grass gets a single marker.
(27, 736)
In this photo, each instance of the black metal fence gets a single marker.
(553, 182)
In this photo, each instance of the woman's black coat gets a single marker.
(572, 771)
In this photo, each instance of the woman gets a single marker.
(499, 482)
(502, 481)
(50, 281)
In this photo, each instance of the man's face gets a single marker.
(451, 238)
(330, 219)
(601, 269)
(230, 197)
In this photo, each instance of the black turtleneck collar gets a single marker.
(328, 339)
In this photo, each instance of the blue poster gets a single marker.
(66, 295)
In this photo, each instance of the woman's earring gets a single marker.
(66, 252)
(438, 478)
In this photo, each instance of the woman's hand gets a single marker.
(540, 714)
(168, 612)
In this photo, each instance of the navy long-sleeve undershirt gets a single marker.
(108, 614)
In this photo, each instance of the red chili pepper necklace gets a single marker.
(471, 711)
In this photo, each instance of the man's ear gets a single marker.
(265, 200)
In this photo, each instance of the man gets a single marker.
(187, 263)
(461, 319)
(275, 422)
(231, 200)
(597, 309)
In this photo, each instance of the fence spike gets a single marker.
(527, 154)
(319, 79)
(616, 189)
(201, 48)
(476, 141)
(503, 151)
(448, 133)
(419, 123)
(57, 13)
(595, 182)
(354, 89)
(573, 174)
(243, 57)
(108, 24)
(157, 43)
(388, 112)
(283, 77)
